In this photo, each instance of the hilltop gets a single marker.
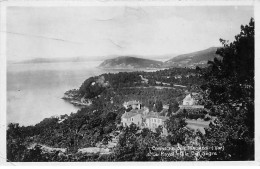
(191, 60)
(129, 62)
(198, 58)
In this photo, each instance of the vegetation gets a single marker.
(198, 58)
(191, 113)
(230, 91)
(130, 62)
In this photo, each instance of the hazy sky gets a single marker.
(45, 32)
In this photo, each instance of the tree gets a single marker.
(135, 144)
(127, 144)
(230, 88)
(173, 107)
(150, 105)
(233, 76)
(152, 82)
(15, 143)
(175, 127)
(158, 131)
(158, 106)
(35, 154)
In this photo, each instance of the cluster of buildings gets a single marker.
(142, 117)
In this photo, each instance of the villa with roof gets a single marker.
(153, 120)
(131, 117)
(143, 118)
(190, 102)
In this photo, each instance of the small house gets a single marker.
(188, 100)
(191, 102)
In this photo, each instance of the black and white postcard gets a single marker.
(120, 81)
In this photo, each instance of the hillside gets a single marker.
(199, 58)
(128, 62)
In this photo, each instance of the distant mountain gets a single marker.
(39, 60)
(199, 58)
(54, 60)
(129, 62)
(163, 57)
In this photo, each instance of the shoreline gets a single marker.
(73, 98)
(76, 102)
(132, 69)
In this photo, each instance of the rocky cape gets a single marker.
(129, 62)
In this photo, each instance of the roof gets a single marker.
(133, 102)
(134, 112)
(166, 106)
(129, 114)
(188, 97)
(156, 115)
(139, 111)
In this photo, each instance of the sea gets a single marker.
(34, 90)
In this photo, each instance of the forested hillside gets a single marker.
(129, 62)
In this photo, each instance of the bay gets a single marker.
(34, 91)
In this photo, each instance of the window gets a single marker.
(132, 119)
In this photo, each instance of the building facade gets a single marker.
(128, 118)
(144, 119)
(190, 102)
(153, 121)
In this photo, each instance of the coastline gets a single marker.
(131, 69)
(73, 98)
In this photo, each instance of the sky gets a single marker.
(94, 31)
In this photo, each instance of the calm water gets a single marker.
(34, 91)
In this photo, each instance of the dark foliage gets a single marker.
(230, 89)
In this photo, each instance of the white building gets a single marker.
(153, 121)
(144, 119)
(131, 117)
(132, 104)
(188, 100)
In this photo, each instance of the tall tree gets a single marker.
(173, 107)
(230, 89)
(158, 105)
